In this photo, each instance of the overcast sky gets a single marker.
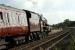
(54, 11)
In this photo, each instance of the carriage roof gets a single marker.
(2, 6)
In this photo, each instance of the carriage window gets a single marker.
(1, 17)
(8, 17)
(18, 19)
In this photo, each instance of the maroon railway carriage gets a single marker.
(20, 26)
(12, 21)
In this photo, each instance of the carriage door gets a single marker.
(5, 18)
(1, 19)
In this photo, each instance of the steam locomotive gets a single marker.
(21, 26)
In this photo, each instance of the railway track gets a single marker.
(3, 44)
(45, 41)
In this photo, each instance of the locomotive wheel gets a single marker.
(34, 36)
(38, 37)
(27, 39)
(44, 34)
(31, 37)
(41, 35)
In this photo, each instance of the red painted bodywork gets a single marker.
(13, 31)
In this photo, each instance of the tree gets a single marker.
(66, 22)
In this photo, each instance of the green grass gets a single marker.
(69, 46)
